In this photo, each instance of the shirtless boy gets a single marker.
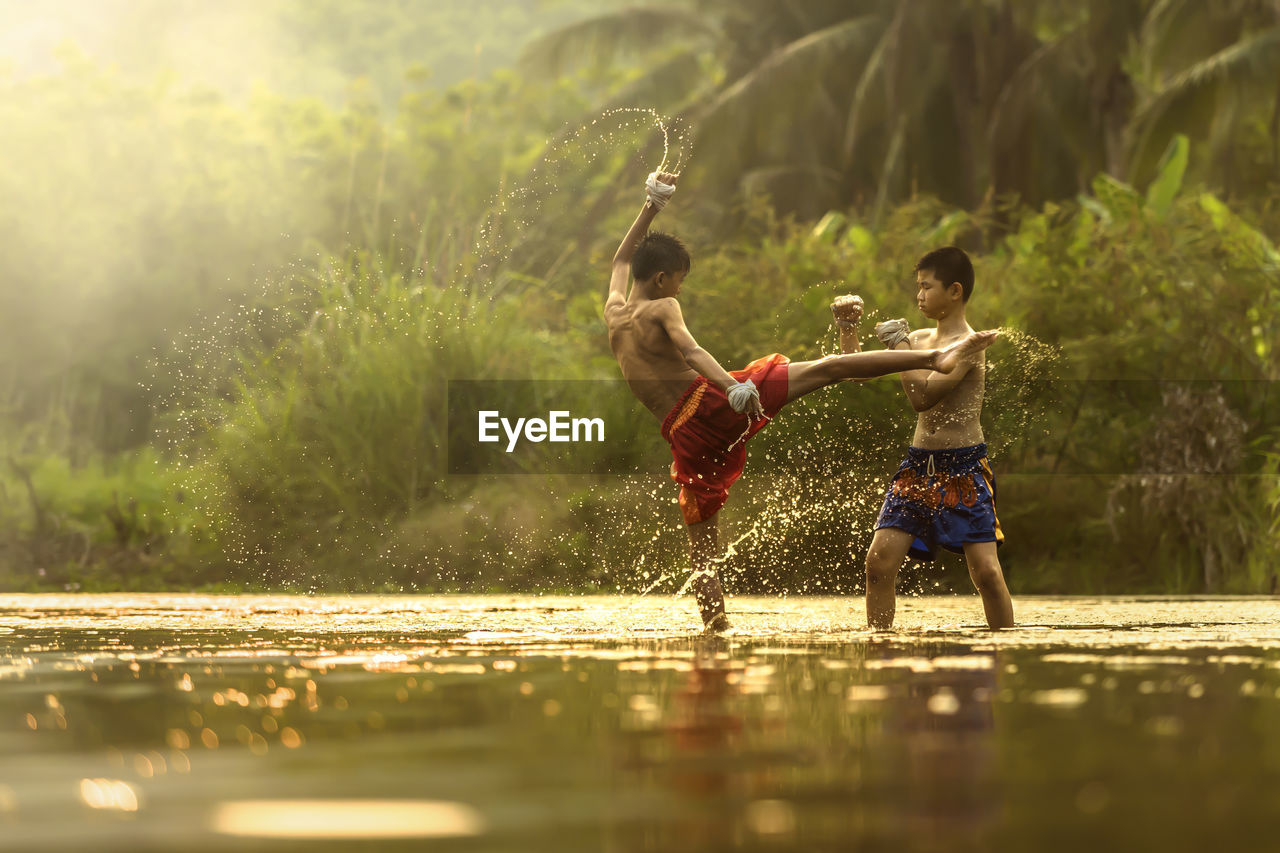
(943, 493)
(707, 413)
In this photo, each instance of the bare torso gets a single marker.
(955, 420)
(654, 369)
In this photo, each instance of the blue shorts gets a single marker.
(943, 497)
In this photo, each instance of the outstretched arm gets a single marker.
(926, 388)
(627, 248)
(672, 320)
(743, 396)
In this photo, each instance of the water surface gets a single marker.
(165, 722)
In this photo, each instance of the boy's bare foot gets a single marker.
(717, 624)
(947, 360)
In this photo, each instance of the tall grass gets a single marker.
(329, 439)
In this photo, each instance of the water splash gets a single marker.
(592, 146)
(214, 363)
(1021, 390)
(815, 481)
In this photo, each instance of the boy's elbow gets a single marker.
(916, 398)
(922, 403)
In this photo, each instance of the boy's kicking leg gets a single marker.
(886, 555)
(801, 378)
(987, 577)
(806, 376)
(704, 548)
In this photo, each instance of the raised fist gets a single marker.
(659, 188)
(847, 310)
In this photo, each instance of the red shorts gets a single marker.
(709, 439)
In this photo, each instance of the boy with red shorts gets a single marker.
(707, 413)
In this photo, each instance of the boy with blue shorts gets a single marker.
(944, 493)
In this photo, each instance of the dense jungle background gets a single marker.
(247, 245)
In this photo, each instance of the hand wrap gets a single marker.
(659, 193)
(892, 332)
(843, 305)
(743, 397)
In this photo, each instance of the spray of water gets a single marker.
(518, 211)
(805, 507)
(200, 380)
(811, 500)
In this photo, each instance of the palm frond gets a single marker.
(1155, 33)
(873, 68)
(889, 170)
(1255, 58)
(677, 87)
(1177, 33)
(637, 29)
(791, 183)
(668, 85)
(1019, 94)
(783, 80)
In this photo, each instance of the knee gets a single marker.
(879, 570)
(825, 370)
(986, 575)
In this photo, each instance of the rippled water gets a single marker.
(528, 723)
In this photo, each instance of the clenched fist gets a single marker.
(847, 310)
(893, 332)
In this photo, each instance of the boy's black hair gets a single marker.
(658, 252)
(949, 264)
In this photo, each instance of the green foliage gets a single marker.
(838, 102)
(229, 320)
(160, 203)
(1159, 310)
(340, 431)
(164, 206)
(1173, 166)
(95, 523)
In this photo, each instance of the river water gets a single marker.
(527, 723)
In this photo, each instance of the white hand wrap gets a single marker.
(658, 192)
(743, 397)
(893, 332)
(846, 305)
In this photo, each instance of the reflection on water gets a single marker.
(345, 819)
(529, 723)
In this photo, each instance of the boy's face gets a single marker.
(935, 299)
(669, 284)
